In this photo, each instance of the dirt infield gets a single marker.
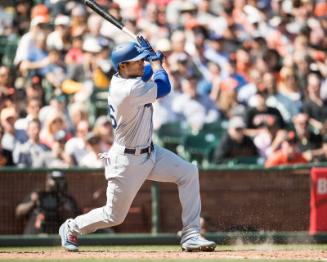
(263, 254)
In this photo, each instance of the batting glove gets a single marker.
(155, 56)
(145, 44)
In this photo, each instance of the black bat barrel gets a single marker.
(103, 13)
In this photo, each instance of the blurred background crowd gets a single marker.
(249, 79)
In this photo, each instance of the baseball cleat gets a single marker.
(198, 243)
(68, 240)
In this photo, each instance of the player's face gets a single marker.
(132, 69)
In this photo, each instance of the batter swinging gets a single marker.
(133, 158)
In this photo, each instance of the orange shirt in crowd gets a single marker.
(280, 158)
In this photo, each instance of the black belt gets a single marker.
(132, 151)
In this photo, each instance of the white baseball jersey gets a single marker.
(130, 106)
(131, 114)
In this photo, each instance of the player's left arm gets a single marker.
(160, 77)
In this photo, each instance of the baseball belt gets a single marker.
(132, 151)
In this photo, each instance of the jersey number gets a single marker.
(113, 119)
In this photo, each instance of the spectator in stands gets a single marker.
(163, 112)
(6, 88)
(10, 137)
(80, 77)
(77, 113)
(55, 121)
(55, 71)
(34, 90)
(27, 43)
(225, 95)
(302, 62)
(256, 116)
(78, 20)
(45, 209)
(289, 154)
(32, 112)
(270, 137)
(194, 108)
(314, 106)
(288, 97)
(57, 103)
(76, 146)
(103, 129)
(31, 153)
(180, 60)
(307, 139)
(59, 39)
(235, 143)
(22, 17)
(91, 159)
(37, 58)
(75, 53)
(58, 158)
(321, 156)
(5, 155)
(205, 87)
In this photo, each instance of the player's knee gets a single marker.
(114, 219)
(191, 172)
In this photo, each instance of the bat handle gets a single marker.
(128, 32)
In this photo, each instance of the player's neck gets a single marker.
(127, 76)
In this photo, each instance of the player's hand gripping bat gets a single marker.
(104, 14)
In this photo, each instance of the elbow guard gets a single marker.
(162, 81)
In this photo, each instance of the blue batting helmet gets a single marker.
(127, 52)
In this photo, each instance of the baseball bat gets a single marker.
(108, 17)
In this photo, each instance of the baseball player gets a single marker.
(133, 158)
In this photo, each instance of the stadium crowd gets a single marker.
(257, 68)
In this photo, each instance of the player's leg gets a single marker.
(171, 168)
(124, 181)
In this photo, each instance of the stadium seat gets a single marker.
(217, 128)
(3, 44)
(244, 160)
(9, 49)
(199, 148)
(170, 135)
(100, 101)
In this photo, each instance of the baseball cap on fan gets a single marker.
(6, 113)
(78, 10)
(62, 20)
(236, 122)
(38, 20)
(91, 45)
(102, 120)
(40, 10)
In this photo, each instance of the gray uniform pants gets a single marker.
(126, 173)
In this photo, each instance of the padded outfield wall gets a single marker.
(233, 199)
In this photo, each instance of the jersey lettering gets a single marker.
(112, 117)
